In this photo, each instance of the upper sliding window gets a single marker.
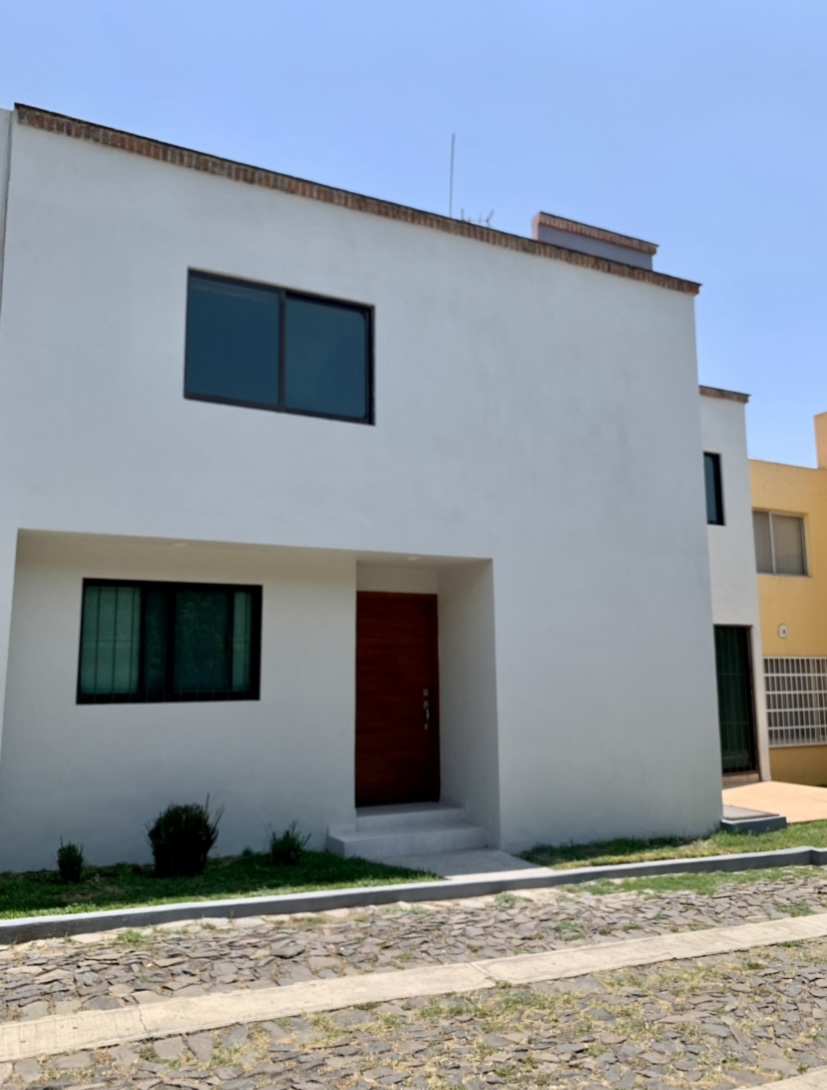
(270, 348)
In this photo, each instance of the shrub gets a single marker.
(70, 862)
(181, 838)
(287, 848)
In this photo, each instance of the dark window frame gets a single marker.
(284, 293)
(171, 588)
(719, 489)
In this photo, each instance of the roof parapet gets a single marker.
(172, 154)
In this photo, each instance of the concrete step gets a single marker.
(405, 818)
(737, 819)
(417, 815)
(399, 839)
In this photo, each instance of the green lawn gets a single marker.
(38, 893)
(810, 834)
(708, 883)
(252, 875)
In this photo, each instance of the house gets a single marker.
(790, 521)
(311, 501)
(735, 612)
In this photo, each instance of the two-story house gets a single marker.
(314, 502)
(790, 524)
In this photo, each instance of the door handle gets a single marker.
(427, 713)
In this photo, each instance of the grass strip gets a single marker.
(126, 885)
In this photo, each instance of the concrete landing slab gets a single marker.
(797, 802)
(736, 813)
(474, 863)
(738, 819)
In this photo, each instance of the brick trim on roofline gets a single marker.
(724, 395)
(47, 121)
(574, 227)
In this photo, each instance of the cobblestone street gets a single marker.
(718, 1022)
(99, 972)
(721, 1021)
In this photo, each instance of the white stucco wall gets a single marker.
(6, 117)
(115, 766)
(732, 546)
(536, 414)
(468, 694)
(409, 580)
(8, 529)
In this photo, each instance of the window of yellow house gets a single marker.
(779, 543)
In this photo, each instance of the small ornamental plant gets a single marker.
(287, 848)
(182, 837)
(70, 862)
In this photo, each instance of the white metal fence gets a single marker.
(796, 700)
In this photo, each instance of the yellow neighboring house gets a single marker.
(790, 524)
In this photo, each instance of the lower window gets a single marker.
(151, 642)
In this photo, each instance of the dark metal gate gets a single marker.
(736, 706)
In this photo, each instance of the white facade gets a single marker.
(535, 451)
(732, 545)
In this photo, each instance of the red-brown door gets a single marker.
(397, 701)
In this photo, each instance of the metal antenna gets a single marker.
(451, 180)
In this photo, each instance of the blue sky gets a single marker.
(698, 124)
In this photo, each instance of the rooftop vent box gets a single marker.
(586, 239)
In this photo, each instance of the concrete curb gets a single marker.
(142, 1022)
(25, 929)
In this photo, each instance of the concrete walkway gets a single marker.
(813, 1080)
(95, 1029)
(796, 801)
(474, 863)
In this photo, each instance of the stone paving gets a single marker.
(106, 971)
(712, 1023)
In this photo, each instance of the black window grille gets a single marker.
(144, 642)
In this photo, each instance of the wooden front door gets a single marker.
(397, 700)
